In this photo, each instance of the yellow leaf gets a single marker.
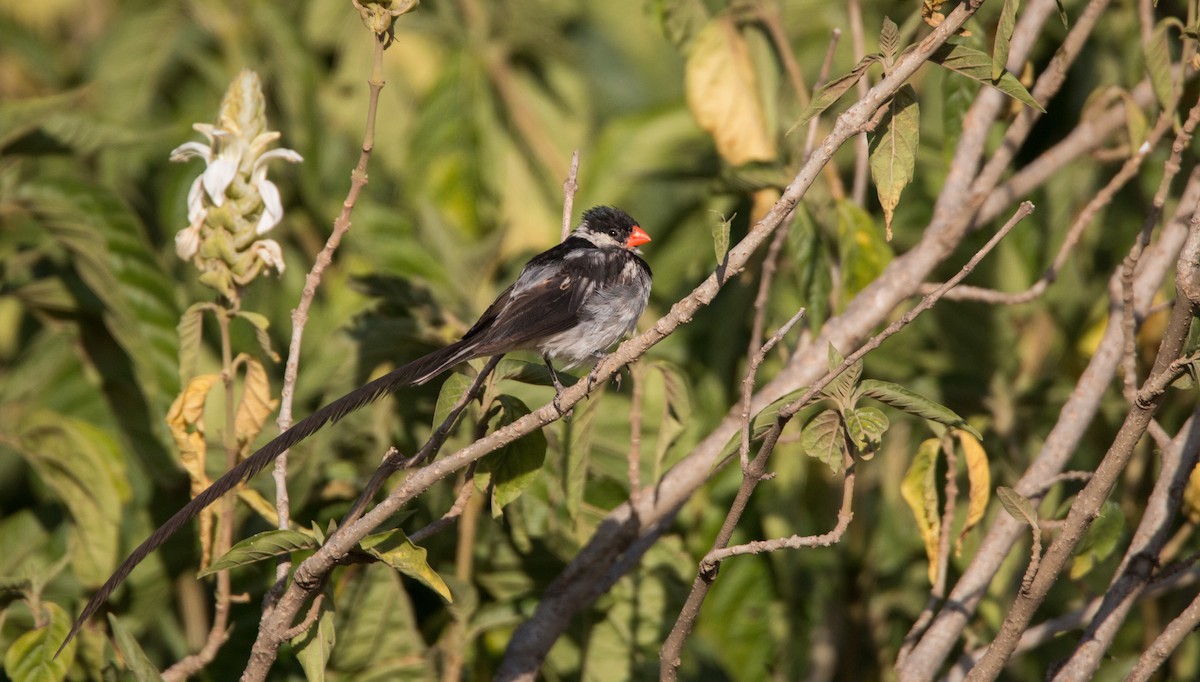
(255, 406)
(259, 504)
(186, 421)
(722, 93)
(1191, 497)
(919, 490)
(980, 483)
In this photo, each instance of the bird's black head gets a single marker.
(608, 226)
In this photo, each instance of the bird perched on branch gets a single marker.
(569, 303)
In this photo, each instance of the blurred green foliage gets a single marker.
(483, 105)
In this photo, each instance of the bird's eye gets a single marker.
(613, 232)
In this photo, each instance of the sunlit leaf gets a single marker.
(1099, 541)
(262, 546)
(913, 403)
(256, 403)
(824, 439)
(723, 95)
(1019, 507)
(866, 426)
(861, 248)
(979, 478)
(977, 65)
(30, 657)
(453, 388)
(1004, 31)
(889, 40)
(1158, 61)
(893, 148)
(720, 234)
(841, 389)
(190, 326)
(919, 489)
(396, 550)
(832, 91)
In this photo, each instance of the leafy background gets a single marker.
(483, 105)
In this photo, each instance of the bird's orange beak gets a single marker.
(638, 238)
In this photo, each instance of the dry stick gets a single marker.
(1143, 555)
(770, 16)
(218, 634)
(752, 473)
(341, 225)
(1163, 645)
(939, 586)
(1083, 220)
(669, 657)
(1087, 504)
(599, 563)
(858, 190)
(756, 359)
(1075, 416)
(1170, 170)
(1132, 577)
(570, 187)
(810, 139)
(453, 513)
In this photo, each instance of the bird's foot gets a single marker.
(558, 389)
(591, 377)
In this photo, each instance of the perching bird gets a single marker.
(569, 303)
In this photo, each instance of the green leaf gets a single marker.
(681, 20)
(261, 326)
(533, 373)
(979, 478)
(1158, 61)
(919, 490)
(722, 91)
(1019, 507)
(314, 647)
(86, 470)
(861, 248)
(514, 467)
(720, 234)
(893, 149)
(256, 548)
(453, 388)
(866, 426)
(1004, 31)
(377, 630)
(913, 403)
(832, 91)
(1099, 541)
(135, 658)
(30, 658)
(977, 65)
(190, 328)
(577, 455)
(824, 439)
(396, 550)
(841, 389)
(889, 40)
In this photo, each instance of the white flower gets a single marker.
(269, 253)
(272, 206)
(187, 241)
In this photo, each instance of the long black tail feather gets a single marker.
(416, 372)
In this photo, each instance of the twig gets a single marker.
(452, 514)
(341, 225)
(858, 190)
(314, 611)
(939, 586)
(754, 471)
(1083, 219)
(1087, 503)
(756, 359)
(570, 187)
